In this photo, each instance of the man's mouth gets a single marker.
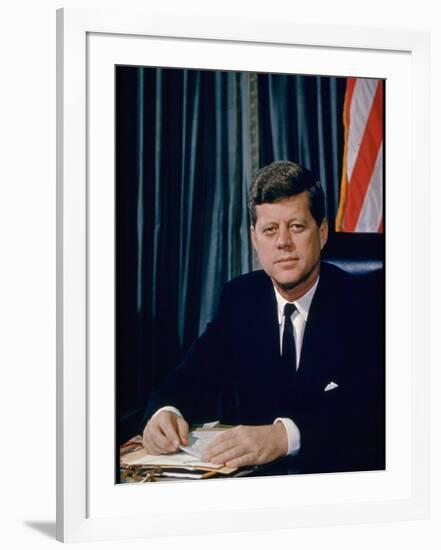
(286, 260)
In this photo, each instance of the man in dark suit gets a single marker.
(295, 354)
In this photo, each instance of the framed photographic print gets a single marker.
(188, 143)
(163, 123)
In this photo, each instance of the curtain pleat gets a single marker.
(140, 184)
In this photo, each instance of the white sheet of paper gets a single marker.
(198, 441)
(190, 454)
(177, 459)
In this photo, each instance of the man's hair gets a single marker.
(283, 179)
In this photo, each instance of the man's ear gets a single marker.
(253, 236)
(323, 232)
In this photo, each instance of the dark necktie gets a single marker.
(288, 342)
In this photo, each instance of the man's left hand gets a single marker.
(247, 445)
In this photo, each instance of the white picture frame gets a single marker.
(91, 506)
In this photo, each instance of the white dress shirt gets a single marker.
(298, 318)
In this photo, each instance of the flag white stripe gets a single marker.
(372, 209)
(362, 99)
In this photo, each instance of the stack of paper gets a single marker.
(186, 464)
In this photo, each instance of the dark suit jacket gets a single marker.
(233, 372)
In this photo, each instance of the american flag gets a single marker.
(361, 193)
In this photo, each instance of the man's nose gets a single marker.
(284, 238)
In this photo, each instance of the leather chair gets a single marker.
(358, 253)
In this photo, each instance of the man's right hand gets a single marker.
(164, 433)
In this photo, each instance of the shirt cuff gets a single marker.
(168, 408)
(292, 433)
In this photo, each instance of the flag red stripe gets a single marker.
(350, 87)
(339, 221)
(364, 165)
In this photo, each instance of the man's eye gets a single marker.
(269, 230)
(297, 226)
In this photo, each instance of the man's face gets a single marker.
(289, 242)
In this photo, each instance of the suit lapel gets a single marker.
(320, 339)
(263, 325)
